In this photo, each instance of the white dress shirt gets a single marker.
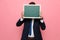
(32, 32)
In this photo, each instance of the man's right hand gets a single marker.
(22, 15)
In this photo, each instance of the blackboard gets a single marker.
(31, 11)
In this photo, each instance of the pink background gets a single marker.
(10, 11)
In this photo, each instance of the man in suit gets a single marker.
(31, 30)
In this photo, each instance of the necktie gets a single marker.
(30, 28)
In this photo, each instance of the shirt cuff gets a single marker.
(41, 21)
(21, 19)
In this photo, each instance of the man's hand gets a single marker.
(22, 15)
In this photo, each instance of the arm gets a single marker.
(19, 22)
(42, 24)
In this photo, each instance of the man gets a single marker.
(31, 30)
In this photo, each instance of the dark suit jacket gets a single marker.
(37, 25)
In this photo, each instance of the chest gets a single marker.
(28, 22)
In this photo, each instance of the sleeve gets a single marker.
(42, 24)
(20, 22)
